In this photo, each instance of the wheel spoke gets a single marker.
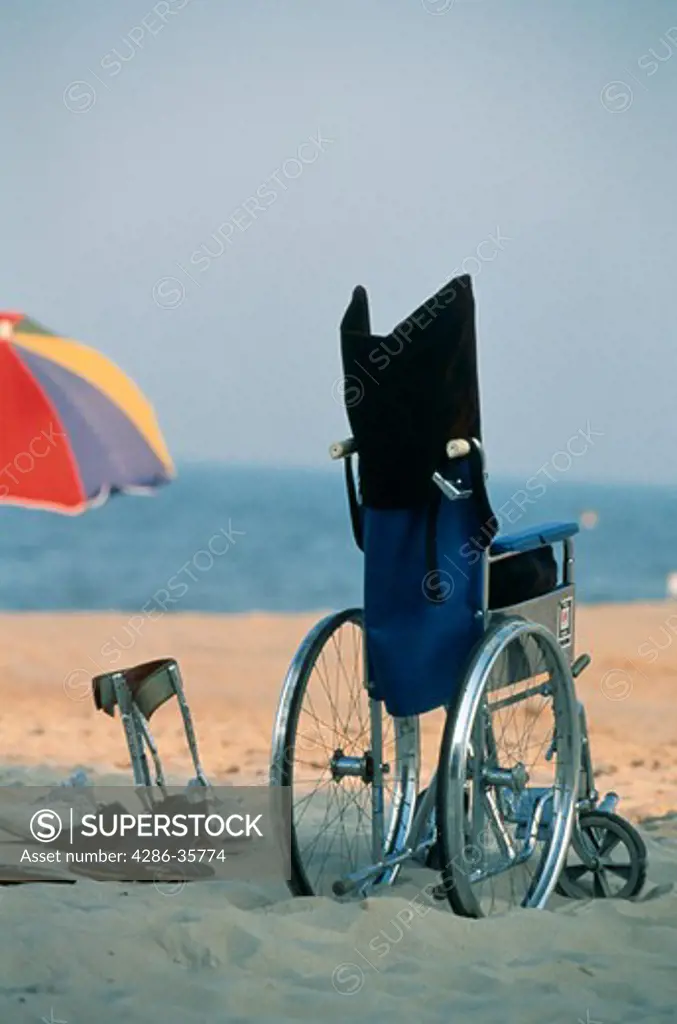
(600, 884)
(576, 871)
(595, 840)
(610, 842)
(624, 871)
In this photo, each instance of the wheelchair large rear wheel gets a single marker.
(508, 773)
(350, 806)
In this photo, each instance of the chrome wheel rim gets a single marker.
(518, 695)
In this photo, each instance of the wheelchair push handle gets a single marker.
(455, 449)
(458, 448)
(342, 449)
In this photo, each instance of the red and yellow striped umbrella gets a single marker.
(73, 428)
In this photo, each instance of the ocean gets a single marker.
(237, 539)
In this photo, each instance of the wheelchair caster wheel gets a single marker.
(606, 859)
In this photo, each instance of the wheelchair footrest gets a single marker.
(525, 809)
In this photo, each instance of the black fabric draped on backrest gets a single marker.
(410, 392)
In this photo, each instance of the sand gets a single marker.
(234, 951)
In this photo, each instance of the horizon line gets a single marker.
(510, 476)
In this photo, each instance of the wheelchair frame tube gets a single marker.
(568, 562)
(376, 744)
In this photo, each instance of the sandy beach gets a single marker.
(234, 951)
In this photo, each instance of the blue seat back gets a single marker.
(421, 624)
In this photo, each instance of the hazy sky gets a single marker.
(133, 133)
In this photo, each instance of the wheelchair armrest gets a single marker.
(535, 537)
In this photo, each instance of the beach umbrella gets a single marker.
(74, 428)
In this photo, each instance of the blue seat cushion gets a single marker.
(531, 572)
(535, 537)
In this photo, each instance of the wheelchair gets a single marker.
(511, 814)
